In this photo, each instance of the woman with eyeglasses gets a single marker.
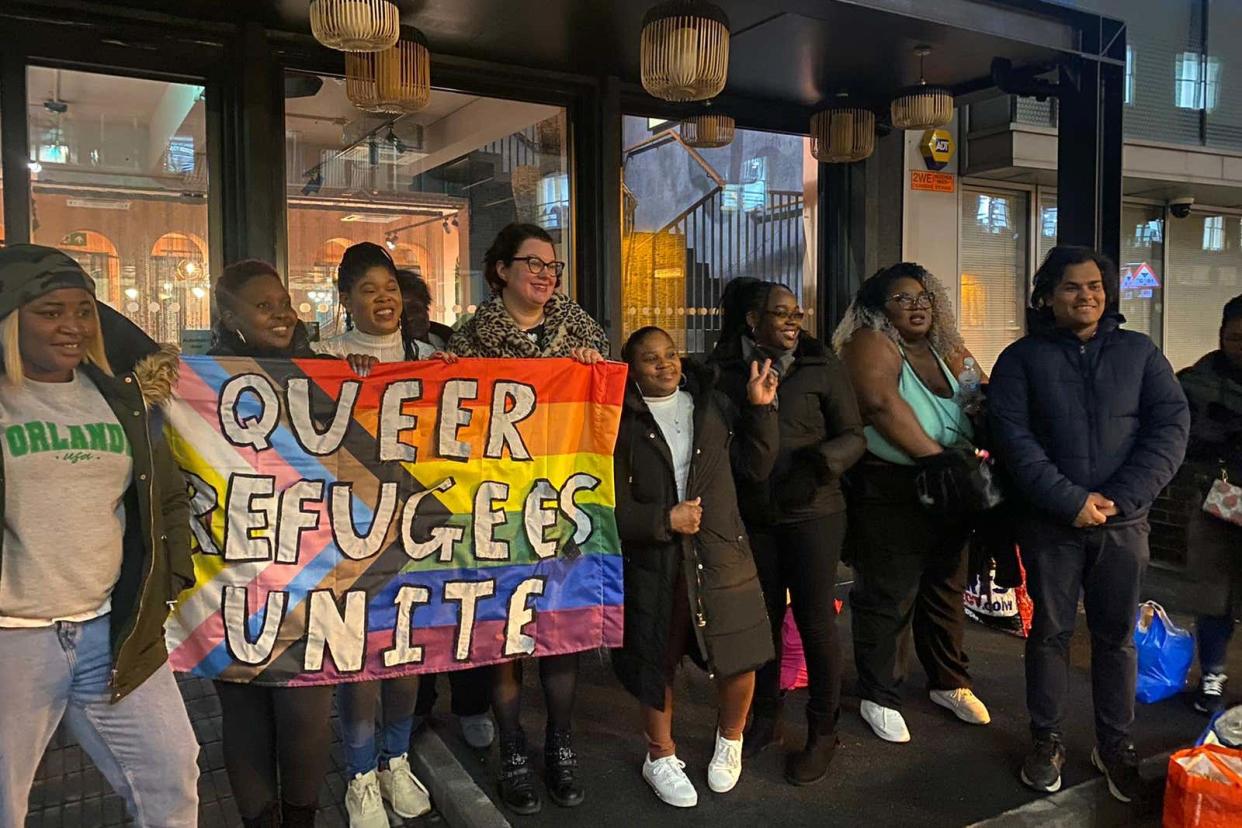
(796, 518)
(900, 343)
(528, 317)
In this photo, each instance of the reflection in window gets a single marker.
(119, 182)
(1048, 222)
(1128, 89)
(1196, 81)
(1214, 233)
(692, 220)
(992, 213)
(1148, 233)
(433, 187)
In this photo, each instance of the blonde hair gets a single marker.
(11, 348)
(943, 336)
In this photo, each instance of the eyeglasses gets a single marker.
(786, 315)
(537, 265)
(908, 302)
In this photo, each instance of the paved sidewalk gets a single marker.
(951, 774)
(68, 792)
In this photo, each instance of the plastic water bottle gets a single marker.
(1226, 729)
(969, 386)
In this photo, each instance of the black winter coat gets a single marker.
(1070, 418)
(726, 603)
(821, 435)
(1214, 548)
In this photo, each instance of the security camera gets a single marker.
(1180, 207)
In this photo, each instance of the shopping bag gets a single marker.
(1204, 788)
(1165, 652)
(1008, 610)
(793, 659)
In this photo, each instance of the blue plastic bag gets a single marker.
(1165, 652)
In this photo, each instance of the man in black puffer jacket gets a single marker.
(1091, 425)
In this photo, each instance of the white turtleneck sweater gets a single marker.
(385, 348)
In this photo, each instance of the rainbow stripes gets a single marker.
(492, 535)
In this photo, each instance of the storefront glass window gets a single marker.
(119, 181)
(1202, 278)
(994, 270)
(434, 187)
(693, 219)
(1142, 269)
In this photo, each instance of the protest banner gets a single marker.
(428, 517)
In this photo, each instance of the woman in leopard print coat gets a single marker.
(527, 317)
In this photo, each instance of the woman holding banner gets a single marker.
(84, 596)
(275, 738)
(690, 582)
(527, 317)
(796, 518)
(377, 770)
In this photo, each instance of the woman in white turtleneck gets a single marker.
(371, 296)
(377, 764)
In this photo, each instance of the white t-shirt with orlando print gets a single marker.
(67, 465)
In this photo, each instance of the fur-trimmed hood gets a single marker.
(157, 375)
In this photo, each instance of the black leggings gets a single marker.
(275, 743)
(801, 558)
(559, 677)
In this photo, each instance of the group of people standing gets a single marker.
(740, 485)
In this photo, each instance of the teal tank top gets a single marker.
(943, 420)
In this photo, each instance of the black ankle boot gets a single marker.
(269, 817)
(517, 778)
(765, 727)
(810, 765)
(560, 767)
(298, 816)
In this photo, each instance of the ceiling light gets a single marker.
(707, 131)
(355, 25)
(842, 135)
(922, 106)
(684, 50)
(395, 81)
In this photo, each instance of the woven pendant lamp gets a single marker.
(395, 81)
(922, 106)
(707, 131)
(842, 135)
(355, 25)
(685, 50)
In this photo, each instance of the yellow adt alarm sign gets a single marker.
(937, 148)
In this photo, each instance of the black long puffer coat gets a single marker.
(726, 603)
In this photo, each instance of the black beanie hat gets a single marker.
(28, 271)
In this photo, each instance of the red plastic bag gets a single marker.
(793, 660)
(1204, 789)
(1008, 610)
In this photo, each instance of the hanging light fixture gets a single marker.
(685, 50)
(395, 81)
(922, 106)
(707, 131)
(842, 135)
(355, 25)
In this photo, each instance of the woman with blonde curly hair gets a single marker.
(901, 347)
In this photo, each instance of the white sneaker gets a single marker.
(478, 731)
(667, 777)
(726, 765)
(363, 803)
(964, 704)
(887, 723)
(399, 785)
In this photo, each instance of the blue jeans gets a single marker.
(143, 745)
(1214, 634)
(357, 704)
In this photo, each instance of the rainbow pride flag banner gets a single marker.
(429, 517)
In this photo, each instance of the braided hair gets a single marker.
(742, 296)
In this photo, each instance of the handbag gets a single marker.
(958, 481)
(1224, 500)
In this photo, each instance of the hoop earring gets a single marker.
(241, 336)
(681, 383)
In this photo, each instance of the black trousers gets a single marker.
(802, 558)
(471, 692)
(1105, 566)
(910, 572)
